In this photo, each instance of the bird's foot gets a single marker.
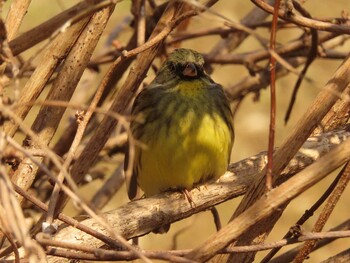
(188, 197)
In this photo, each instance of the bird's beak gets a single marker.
(190, 70)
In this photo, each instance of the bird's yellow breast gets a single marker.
(189, 143)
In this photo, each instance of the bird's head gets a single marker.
(182, 63)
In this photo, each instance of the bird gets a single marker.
(182, 128)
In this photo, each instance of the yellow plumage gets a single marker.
(183, 120)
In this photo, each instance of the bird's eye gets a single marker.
(172, 67)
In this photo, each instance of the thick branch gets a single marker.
(142, 216)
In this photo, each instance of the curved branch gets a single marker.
(304, 21)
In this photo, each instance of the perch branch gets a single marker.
(140, 217)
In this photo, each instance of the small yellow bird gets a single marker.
(183, 123)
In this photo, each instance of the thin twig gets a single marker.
(269, 203)
(304, 21)
(310, 58)
(272, 126)
(308, 213)
(344, 177)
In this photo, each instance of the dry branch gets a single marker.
(71, 37)
(48, 28)
(63, 87)
(326, 212)
(15, 17)
(290, 255)
(53, 55)
(271, 202)
(319, 108)
(290, 15)
(140, 217)
(343, 256)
